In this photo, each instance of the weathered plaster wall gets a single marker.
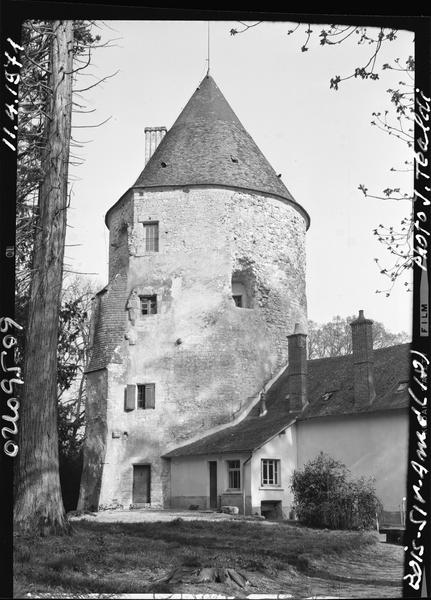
(207, 357)
(190, 482)
(370, 445)
(139, 442)
(282, 448)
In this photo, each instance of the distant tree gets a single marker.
(397, 121)
(72, 357)
(325, 495)
(335, 337)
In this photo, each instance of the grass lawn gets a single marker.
(135, 557)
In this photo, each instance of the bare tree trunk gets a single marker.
(38, 504)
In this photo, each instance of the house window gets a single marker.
(151, 234)
(234, 474)
(148, 305)
(270, 471)
(146, 395)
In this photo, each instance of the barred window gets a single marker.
(146, 395)
(270, 471)
(148, 305)
(234, 474)
(151, 234)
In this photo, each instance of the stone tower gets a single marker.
(206, 280)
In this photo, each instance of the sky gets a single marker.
(320, 140)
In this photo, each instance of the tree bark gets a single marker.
(38, 503)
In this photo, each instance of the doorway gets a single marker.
(213, 483)
(141, 484)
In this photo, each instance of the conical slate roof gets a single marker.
(208, 145)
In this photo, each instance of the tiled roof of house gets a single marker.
(208, 145)
(330, 394)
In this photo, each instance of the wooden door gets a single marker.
(141, 484)
(213, 483)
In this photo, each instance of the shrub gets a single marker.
(326, 496)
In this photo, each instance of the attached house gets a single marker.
(353, 407)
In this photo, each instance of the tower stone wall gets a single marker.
(207, 357)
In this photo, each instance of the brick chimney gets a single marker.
(153, 137)
(363, 360)
(297, 369)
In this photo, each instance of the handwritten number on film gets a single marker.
(9, 341)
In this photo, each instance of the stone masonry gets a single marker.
(207, 357)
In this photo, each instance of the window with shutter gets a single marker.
(151, 234)
(147, 395)
(150, 396)
(130, 400)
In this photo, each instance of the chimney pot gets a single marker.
(153, 137)
(299, 329)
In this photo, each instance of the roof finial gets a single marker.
(208, 59)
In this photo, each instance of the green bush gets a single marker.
(326, 496)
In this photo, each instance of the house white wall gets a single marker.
(190, 481)
(283, 448)
(370, 445)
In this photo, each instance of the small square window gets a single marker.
(146, 395)
(151, 235)
(148, 305)
(234, 474)
(270, 472)
(238, 300)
